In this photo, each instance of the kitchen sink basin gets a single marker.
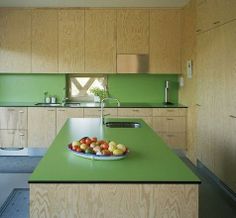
(48, 104)
(74, 104)
(123, 124)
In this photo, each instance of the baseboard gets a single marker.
(226, 189)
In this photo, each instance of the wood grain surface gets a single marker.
(113, 200)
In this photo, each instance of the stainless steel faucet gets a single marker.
(102, 106)
(64, 99)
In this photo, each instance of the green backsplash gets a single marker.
(30, 87)
(145, 88)
(133, 88)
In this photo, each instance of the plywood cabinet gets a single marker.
(41, 126)
(71, 40)
(13, 127)
(132, 31)
(44, 40)
(100, 40)
(15, 40)
(165, 41)
(170, 124)
(64, 113)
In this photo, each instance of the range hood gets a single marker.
(132, 63)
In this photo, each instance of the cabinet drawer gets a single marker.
(175, 140)
(13, 138)
(134, 112)
(13, 118)
(175, 112)
(169, 124)
(96, 112)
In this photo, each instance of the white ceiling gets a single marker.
(93, 3)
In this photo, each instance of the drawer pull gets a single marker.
(21, 112)
(51, 110)
(169, 119)
(11, 109)
(61, 110)
(232, 116)
(170, 136)
(198, 105)
(198, 30)
(21, 134)
(170, 110)
(135, 110)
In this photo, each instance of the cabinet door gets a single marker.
(71, 41)
(44, 40)
(172, 112)
(165, 41)
(134, 112)
(174, 140)
(169, 124)
(65, 113)
(13, 138)
(13, 118)
(41, 126)
(132, 31)
(15, 40)
(100, 43)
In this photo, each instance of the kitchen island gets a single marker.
(151, 182)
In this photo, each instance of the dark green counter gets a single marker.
(95, 105)
(149, 160)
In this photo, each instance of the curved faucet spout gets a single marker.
(102, 106)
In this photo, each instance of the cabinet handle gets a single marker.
(170, 110)
(61, 110)
(232, 116)
(170, 136)
(169, 119)
(198, 105)
(135, 110)
(51, 110)
(217, 22)
(11, 109)
(21, 112)
(198, 30)
(21, 134)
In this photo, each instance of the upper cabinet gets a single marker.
(165, 41)
(44, 40)
(71, 40)
(15, 40)
(212, 13)
(100, 40)
(132, 31)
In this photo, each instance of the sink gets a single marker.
(123, 124)
(72, 104)
(48, 104)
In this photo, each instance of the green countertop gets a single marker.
(95, 105)
(149, 160)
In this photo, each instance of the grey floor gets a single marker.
(213, 202)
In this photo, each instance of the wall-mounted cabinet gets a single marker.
(71, 40)
(165, 41)
(100, 40)
(44, 40)
(15, 40)
(132, 31)
(212, 13)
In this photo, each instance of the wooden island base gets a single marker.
(113, 200)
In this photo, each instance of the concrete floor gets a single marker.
(213, 202)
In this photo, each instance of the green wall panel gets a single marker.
(145, 88)
(30, 87)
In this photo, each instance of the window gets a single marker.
(79, 86)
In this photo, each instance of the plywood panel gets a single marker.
(132, 31)
(13, 118)
(71, 40)
(44, 40)
(165, 41)
(41, 126)
(13, 138)
(65, 113)
(100, 40)
(15, 40)
(113, 200)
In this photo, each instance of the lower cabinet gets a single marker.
(64, 113)
(170, 124)
(41, 126)
(13, 138)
